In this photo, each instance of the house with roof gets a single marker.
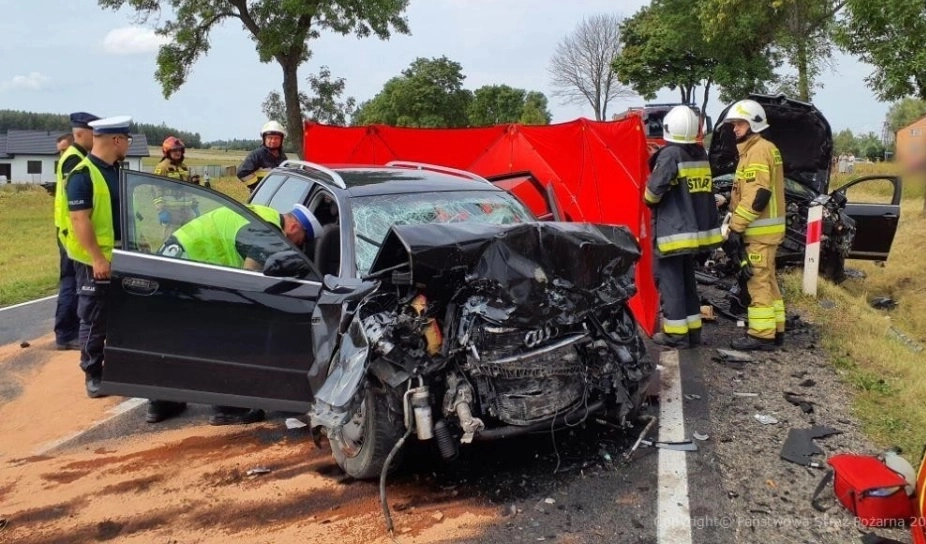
(910, 144)
(31, 156)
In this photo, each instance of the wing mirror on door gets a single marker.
(288, 264)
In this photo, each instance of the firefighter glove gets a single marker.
(164, 217)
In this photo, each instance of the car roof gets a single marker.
(367, 180)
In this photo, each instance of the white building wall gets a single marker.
(19, 168)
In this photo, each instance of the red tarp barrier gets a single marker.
(598, 170)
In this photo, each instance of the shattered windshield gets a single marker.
(374, 215)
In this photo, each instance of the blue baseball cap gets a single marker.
(308, 221)
(82, 119)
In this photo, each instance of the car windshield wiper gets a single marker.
(369, 240)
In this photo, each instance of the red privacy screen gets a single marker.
(597, 169)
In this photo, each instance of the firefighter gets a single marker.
(686, 223)
(269, 155)
(174, 205)
(67, 324)
(757, 226)
(92, 230)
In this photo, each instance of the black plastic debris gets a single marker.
(799, 447)
(24, 344)
(871, 538)
(855, 274)
(799, 401)
(882, 303)
(705, 279)
(808, 383)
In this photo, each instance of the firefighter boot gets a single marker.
(751, 343)
(671, 340)
(694, 338)
(779, 339)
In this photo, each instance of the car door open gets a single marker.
(874, 204)
(185, 323)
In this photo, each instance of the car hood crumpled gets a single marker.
(800, 131)
(588, 265)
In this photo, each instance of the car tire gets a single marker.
(381, 427)
(833, 267)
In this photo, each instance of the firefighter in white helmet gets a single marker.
(757, 225)
(685, 222)
(269, 155)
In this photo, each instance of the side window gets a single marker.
(293, 191)
(269, 186)
(176, 219)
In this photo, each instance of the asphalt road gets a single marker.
(571, 487)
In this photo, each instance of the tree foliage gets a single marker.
(280, 30)
(499, 104)
(323, 105)
(57, 122)
(904, 112)
(867, 145)
(580, 69)
(888, 34)
(429, 93)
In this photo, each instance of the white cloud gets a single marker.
(33, 81)
(131, 40)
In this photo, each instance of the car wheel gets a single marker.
(833, 267)
(361, 446)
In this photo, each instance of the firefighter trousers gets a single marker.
(766, 310)
(678, 291)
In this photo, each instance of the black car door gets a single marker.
(194, 329)
(874, 204)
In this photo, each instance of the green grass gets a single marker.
(200, 157)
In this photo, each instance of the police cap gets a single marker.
(111, 125)
(81, 119)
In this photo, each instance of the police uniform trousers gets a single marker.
(766, 309)
(92, 310)
(67, 324)
(678, 290)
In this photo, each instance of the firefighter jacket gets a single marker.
(679, 191)
(168, 169)
(758, 199)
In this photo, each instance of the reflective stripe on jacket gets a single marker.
(680, 192)
(211, 237)
(760, 167)
(61, 197)
(101, 218)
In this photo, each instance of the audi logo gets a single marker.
(538, 336)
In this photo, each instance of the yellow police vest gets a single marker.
(101, 218)
(210, 238)
(61, 197)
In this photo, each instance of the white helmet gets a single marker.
(750, 111)
(272, 126)
(680, 125)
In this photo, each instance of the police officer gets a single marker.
(757, 225)
(67, 324)
(93, 231)
(174, 205)
(686, 222)
(269, 155)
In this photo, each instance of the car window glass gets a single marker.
(796, 188)
(293, 191)
(871, 191)
(184, 221)
(270, 185)
(374, 215)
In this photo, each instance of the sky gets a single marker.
(105, 64)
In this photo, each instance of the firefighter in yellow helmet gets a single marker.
(174, 206)
(757, 226)
(269, 155)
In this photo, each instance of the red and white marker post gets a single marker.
(812, 249)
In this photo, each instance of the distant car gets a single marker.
(851, 230)
(432, 301)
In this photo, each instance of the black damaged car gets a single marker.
(861, 229)
(433, 303)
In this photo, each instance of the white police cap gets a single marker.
(308, 221)
(111, 125)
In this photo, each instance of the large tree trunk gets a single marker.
(803, 79)
(290, 65)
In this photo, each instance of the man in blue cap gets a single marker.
(91, 233)
(67, 323)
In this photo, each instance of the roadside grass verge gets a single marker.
(200, 157)
(28, 251)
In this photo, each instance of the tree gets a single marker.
(903, 112)
(280, 30)
(845, 143)
(581, 66)
(888, 34)
(498, 104)
(429, 93)
(323, 105)
(870, 146)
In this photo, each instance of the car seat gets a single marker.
(328, 250)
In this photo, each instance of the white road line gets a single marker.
(673, 518)
(112, 414)
(21, 304)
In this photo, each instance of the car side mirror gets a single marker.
(287, 264)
